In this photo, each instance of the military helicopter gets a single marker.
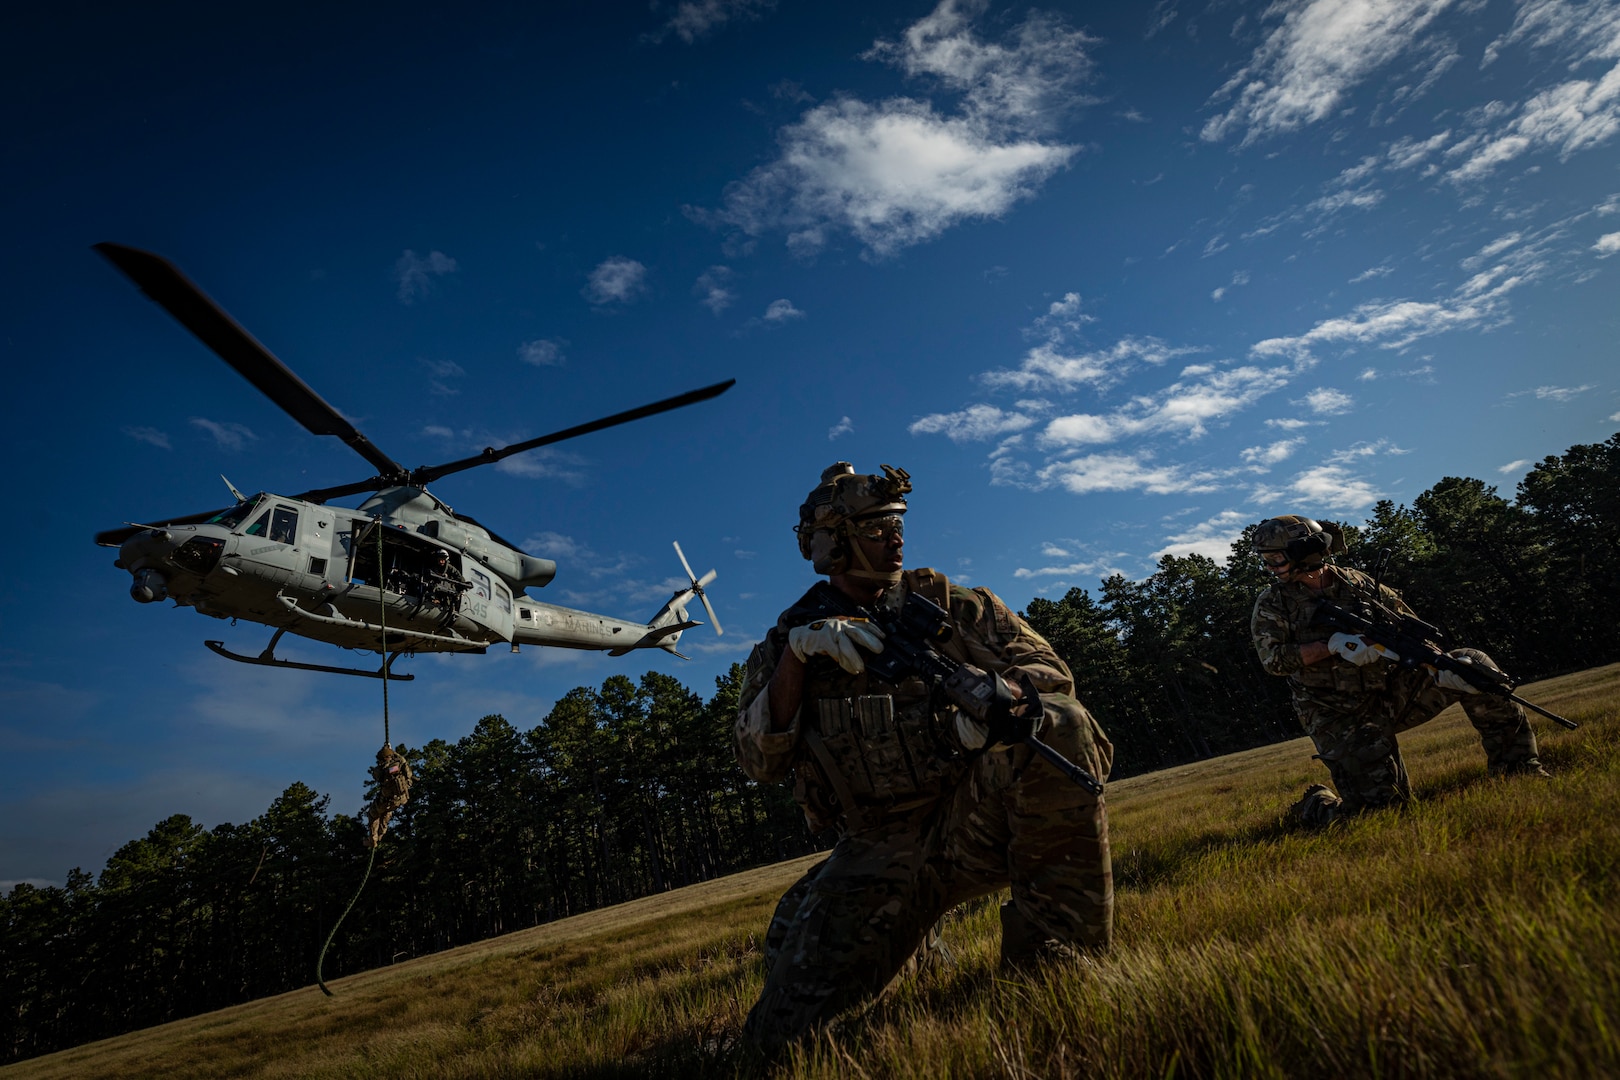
(401, 574)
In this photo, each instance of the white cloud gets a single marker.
(1394, 324)
(1122, 472)
(694, 19)
(782, 311)
(149, 435)
(898, 173)
(1047, 367)
(713, 288)
(1513, 466)
(1560, 394)
(228, 435)
(616, 280)
(1288, 423)
(1090, 569)
(1263, 457)
(1052, 551)
(1182, 408)
(1025, 82)
(1213, 538)
(1334, 487)
(414, 274)
(1570, 117)
(1325, 401)
(1320, 51)
(843, 427)
(1607, 244)
(972, 424)
(542, 352)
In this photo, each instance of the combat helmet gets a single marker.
(844, 496)
(1304, 541)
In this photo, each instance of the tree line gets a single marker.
(631, 789)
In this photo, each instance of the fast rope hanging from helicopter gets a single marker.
(383, 804)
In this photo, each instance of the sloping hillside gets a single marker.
(1474, 933)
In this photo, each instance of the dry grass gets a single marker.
(1472, 934)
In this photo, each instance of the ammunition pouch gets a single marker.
(875, 757)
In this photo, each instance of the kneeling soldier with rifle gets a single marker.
(1363, 668)
(937, 733)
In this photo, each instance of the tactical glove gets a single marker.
(1357, 649)
(987, 712)
(840, 639)
(1450, 680)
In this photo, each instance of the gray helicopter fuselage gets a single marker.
(349, 578)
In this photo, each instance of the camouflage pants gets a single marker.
(851, 924)
(1358, 743)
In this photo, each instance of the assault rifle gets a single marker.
(909, 640)
(1413, 641)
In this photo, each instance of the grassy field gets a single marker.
(1475, 933)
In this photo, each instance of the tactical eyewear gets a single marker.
(879, 529)
(1274, 559)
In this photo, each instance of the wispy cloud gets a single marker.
(1607, 245)
(973, 424)
(228, 435)
(1212, 538)
(697, 19)
(542, 352)
(843, 427)
(713, 288)
(1513, 466)
(1321, 50)
(149, 435)
(617, 280)
(899, 172)
(1558, 394)
(782, 311)
(414, 274)
(1325, 401)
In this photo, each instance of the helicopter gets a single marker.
(400, 574)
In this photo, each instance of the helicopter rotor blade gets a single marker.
(697, 587)
(428, 473)
(163, 283)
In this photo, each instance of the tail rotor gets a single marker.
(697, 587)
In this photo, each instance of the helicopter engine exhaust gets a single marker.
(150, 585)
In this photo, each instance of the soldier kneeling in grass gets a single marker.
(1352, 699)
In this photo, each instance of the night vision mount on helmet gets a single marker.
(403, 573)
(842, 497)
(1305, 542)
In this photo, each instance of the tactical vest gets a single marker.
(1334, 673)
(873, 746)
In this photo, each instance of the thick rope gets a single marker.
(382, 607)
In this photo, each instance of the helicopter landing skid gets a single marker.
(269, 659)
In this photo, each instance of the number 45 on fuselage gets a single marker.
(402, 573)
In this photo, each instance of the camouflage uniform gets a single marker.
(922, 825)
(393, 776)
(1353, 714)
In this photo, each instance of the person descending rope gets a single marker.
(393, 775)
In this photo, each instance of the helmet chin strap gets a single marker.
(866, 571)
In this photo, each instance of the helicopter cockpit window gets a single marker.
(259, 527)
(235, 515)
(284, 525)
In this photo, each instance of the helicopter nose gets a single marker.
(149, 586)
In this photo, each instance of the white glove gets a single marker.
(1357, 649)
(1450, 680)
(841, 639)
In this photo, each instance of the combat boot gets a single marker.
(1025, 945)
(1316, 808)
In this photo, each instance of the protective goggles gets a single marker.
(879, 529)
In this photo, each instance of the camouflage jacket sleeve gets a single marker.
(765, 755)
(991, 636)
(1273, 632)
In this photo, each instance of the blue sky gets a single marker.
(1109, 283)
